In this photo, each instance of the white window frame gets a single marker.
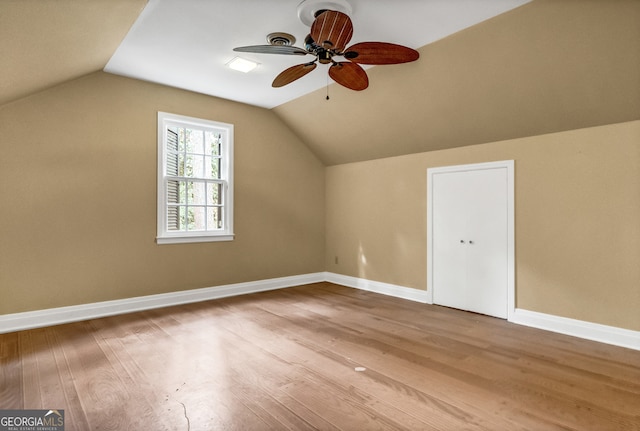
(166, 236)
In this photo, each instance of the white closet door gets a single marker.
(470, 240)
(451, 227)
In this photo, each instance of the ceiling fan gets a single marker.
(331, 30)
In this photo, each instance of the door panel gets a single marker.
(470, 251)
(487, 251)
(451, 220)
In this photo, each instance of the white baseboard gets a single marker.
(379, 287)
(56, 316)
(75, 313)
(578, 328)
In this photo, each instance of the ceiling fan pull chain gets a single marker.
(327, 87)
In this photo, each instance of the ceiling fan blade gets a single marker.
(332, 30)
(272, 49)
(289, 75)
(349, 75)
(380, 53)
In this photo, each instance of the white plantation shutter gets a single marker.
(173, 220)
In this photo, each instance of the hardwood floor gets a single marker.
(318, 357)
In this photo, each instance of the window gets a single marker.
(195, 180)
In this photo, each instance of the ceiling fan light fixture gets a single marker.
(242, 64)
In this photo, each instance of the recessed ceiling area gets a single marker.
(188, 43)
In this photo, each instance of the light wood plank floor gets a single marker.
(318, 357)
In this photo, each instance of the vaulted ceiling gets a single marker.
(506, 70)
(47, 42)
(547, 66)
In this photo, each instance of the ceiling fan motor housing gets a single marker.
(324, 56)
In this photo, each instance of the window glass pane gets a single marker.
(214, 197)
(190, 219)
(197, 218)
(198, 166)
(182, 214)
(181, 138)
(213, 140)
(195, 141)
(181, 165)
(188, 165)
(214, 217)
(196, 193)
(213, 167)
(182, 192)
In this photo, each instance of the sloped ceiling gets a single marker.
(46, 42)
(548, 66)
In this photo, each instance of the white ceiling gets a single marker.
(187, 43)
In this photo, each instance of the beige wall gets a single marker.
(78, 216)
(78, 188)
(577, 220)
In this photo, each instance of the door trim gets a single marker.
(509, 165)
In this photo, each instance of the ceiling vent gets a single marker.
(281, 39)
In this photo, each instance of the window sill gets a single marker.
(185, 239)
